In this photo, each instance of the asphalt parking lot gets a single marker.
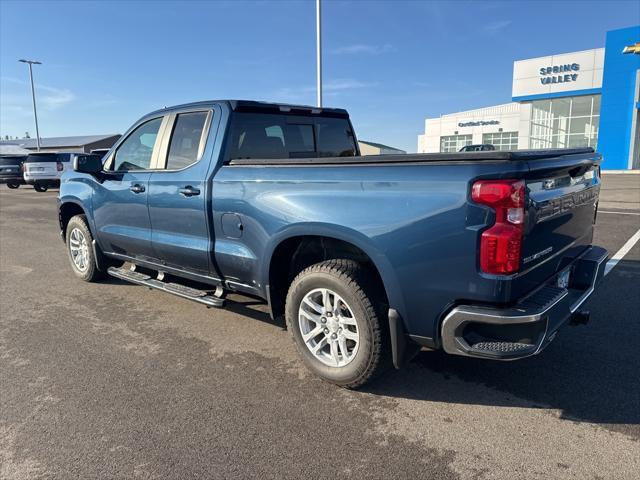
(116, 381)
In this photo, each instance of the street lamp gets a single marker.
(319, 53)
(33, 95)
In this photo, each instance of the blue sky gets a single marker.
(390, 63)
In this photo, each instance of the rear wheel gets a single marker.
(334, 315)
(38, 187)
(80, 250)
(12, 185)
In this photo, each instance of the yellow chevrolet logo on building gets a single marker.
(632, 49)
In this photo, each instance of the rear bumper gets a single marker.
(48, 181)
(526, 328)
(12, 179)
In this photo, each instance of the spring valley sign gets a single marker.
(559, 73)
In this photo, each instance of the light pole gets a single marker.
(319, 53)
(33, 96)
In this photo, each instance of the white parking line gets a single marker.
(622, 252)
(619, 213)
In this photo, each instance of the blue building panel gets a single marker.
(544, 96)
(619, 105)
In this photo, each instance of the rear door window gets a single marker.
(186, 140)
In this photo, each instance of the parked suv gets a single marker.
(11, 170)
(44, 169)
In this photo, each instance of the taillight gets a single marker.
(500, 245)
(59, 166)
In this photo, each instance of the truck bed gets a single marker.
(417, 158)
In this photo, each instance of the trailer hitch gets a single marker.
(580, 317)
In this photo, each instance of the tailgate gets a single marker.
(562, 202)
(41, 168)
(9, 165)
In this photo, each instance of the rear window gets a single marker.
(46, 157)
(11, 160)
(257, 135)
(335, 138)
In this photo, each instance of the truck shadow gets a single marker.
(590, 373)
(244, 305)
(252, 308)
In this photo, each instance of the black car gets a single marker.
(482, 147)
(100, 151)
(11, 169)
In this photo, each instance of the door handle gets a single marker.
(189, 191)
(137, 188)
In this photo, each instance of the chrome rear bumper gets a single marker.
(526, 328)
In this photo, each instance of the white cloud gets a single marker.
(11, 80)
(495, 27)
(361, 48)
(330, 88)
(349, 84)
(54, 98)
(47, 97)
(16, 111)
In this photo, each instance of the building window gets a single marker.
(502, 140)
(453, 143)
(565, 122)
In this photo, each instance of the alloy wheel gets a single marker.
(79, 249)
(329, 328)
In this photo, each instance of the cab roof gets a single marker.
(262, 107)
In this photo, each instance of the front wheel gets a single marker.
(334, 315)
(13, 186)
(80, 250)
(38, 187)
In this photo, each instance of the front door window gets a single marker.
(136, 151)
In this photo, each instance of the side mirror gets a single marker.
(88, 163)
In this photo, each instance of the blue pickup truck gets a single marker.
(368, 258)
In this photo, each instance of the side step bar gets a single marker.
(200, 296)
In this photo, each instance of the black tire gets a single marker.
(13, 186)
(352, 282)
(38, 187)
(90, 272)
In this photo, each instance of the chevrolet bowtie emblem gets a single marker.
(632, 49)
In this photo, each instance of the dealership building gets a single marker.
(588, 98)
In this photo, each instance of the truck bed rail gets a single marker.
(417, 158)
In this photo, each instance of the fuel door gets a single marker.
(232, 225)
